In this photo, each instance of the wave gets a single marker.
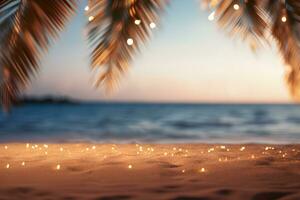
(193, 125)
(260, 121)
(104, 122)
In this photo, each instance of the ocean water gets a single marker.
(157, 123)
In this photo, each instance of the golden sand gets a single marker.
(148, 171)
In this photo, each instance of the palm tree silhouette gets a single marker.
(118, 28)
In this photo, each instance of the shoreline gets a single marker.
(149, 171)
(263, 142)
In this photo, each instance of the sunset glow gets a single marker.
(193, 63)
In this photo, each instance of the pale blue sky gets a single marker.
(188, 59)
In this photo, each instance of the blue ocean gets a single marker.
(153, 123)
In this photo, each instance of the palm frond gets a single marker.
(262, 21)
(293, 7)
(117, 29)
(27, 29)
(286, 34)
(244, 18)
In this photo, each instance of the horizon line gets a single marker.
(77, 100)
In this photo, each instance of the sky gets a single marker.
(188, 59)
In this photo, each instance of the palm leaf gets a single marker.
(245, 19)
(257, 19)
(112, 23)
(29, 26)
(286, 36)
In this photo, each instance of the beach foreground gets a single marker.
(148, 171)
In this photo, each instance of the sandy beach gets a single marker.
(148, 171)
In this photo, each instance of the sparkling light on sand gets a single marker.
(202, 170)
(174, 152)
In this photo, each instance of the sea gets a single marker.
(152, 123)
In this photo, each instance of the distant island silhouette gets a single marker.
(46, 100)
